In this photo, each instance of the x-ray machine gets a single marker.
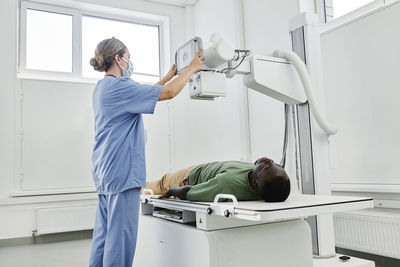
(256, 233)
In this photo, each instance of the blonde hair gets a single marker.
(105, 53)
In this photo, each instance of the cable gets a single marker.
(224, 70)
(247, 53)
(308, 89)
(285, 138)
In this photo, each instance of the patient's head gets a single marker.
(270, 180)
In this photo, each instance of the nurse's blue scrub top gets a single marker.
(119, 150)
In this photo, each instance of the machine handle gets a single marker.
(228, 196)
(147, 190)
(145, 198)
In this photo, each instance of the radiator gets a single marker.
(64, 219)
(371, 231)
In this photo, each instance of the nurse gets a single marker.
(119, 168)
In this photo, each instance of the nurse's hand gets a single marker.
(197, 62)
(179, 192)
(174, 87)
(171, 73)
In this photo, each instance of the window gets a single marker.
(48, 45)
(337, 8)
(60, 41)
(334, 13)
(141, 40)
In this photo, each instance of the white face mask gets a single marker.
(127, 72)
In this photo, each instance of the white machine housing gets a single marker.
(275, 77)
(177, 245)
(219, 52)
(186, 52)
(207, 85)
(234, 234)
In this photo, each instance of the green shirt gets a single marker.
(227, 177)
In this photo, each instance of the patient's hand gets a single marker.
(179, 192)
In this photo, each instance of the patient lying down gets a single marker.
(247, 181)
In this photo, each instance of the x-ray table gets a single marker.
(218, 234)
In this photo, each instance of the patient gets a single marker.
(247, 181)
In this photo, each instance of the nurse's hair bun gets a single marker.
(98, 63)
(105, 53)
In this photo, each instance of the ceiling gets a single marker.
(180, 3)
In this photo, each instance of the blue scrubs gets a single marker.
(119, 169)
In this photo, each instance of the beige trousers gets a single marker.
(176, 179)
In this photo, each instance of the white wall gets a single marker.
(218, 130)
(266, 29)
(16, 214)
(212, 130)
(245, 125)
(361, 62)
(8, 53)
(201, 130)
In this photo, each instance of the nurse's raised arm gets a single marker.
(171, 74)
(174, 87)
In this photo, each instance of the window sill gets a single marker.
(70, 79)
(369, 188)
(55, 78)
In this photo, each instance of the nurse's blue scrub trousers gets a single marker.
(115, 230)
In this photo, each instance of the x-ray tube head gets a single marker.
(219, 52)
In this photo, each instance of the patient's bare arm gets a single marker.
(179, 192)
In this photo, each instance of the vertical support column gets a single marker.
(312, 142)
(304, 140)
(244, 92)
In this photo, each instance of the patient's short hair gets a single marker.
(276, 189)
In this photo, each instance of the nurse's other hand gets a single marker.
(171, 73)
(197, 62)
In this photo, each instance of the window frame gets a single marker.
(25, 5)
(327, 26)
(77, 12)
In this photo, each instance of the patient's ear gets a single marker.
(252, 180)
(250, 176)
